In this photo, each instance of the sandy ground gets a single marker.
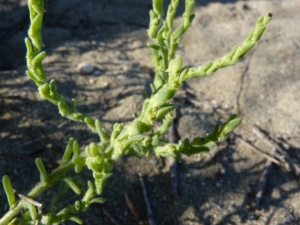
(214, 188)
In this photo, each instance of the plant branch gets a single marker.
(236, 53)
(36, 71)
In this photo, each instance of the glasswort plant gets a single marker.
(139, 137)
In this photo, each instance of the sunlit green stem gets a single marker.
(40, 188)
(36, 71)
(236, 53)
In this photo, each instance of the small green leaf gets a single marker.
(229, 126)
(93, 166)
(155, 141)
(158, 6)
(9, 191)
(224, 63)
(178, 32)
(153, 46)
(97, 200)
(68, 151)
(134, 139)
(170, 16)
(76, 149)
(259, 32)
(38, 6)
(99, 183)
(35, 78)
(101, 132)
(161, 97)
(79, 161)
(30, 52)
(168, 150)
(32, 210)
(43, 174)
(93, 149)
(78, 168)
(116, 131)
(44, 90)
(46, 219)
(76, 219)
(165, 109)
(72, 185)
(34, 32)
(231, 54)
(37, 67)
(213, 68)
(182, 75)
(63, 108)
(78, 205)
(173, 71)
(90, 122)
(87, 150)
(73, 106)
(153, 26)
(53, 91)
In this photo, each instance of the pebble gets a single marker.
(154, 161)
(85, 68)
(4, 134)
(96, 73)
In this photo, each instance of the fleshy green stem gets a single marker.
(36, 71)
(40, 188)
(236, 53)
(138, 137)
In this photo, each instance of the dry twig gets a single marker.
(149, 210)
(279, 153)
(131, 206)
(110, 217)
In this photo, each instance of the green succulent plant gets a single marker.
(138, 137)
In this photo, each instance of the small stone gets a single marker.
(4, 134)
(154, 161)
(49, 145)
(6, 116)
(96, 73)
(121, 77)
(213, 102)
(85, 68)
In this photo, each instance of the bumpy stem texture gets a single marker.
(136, 138)
(236, 53)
